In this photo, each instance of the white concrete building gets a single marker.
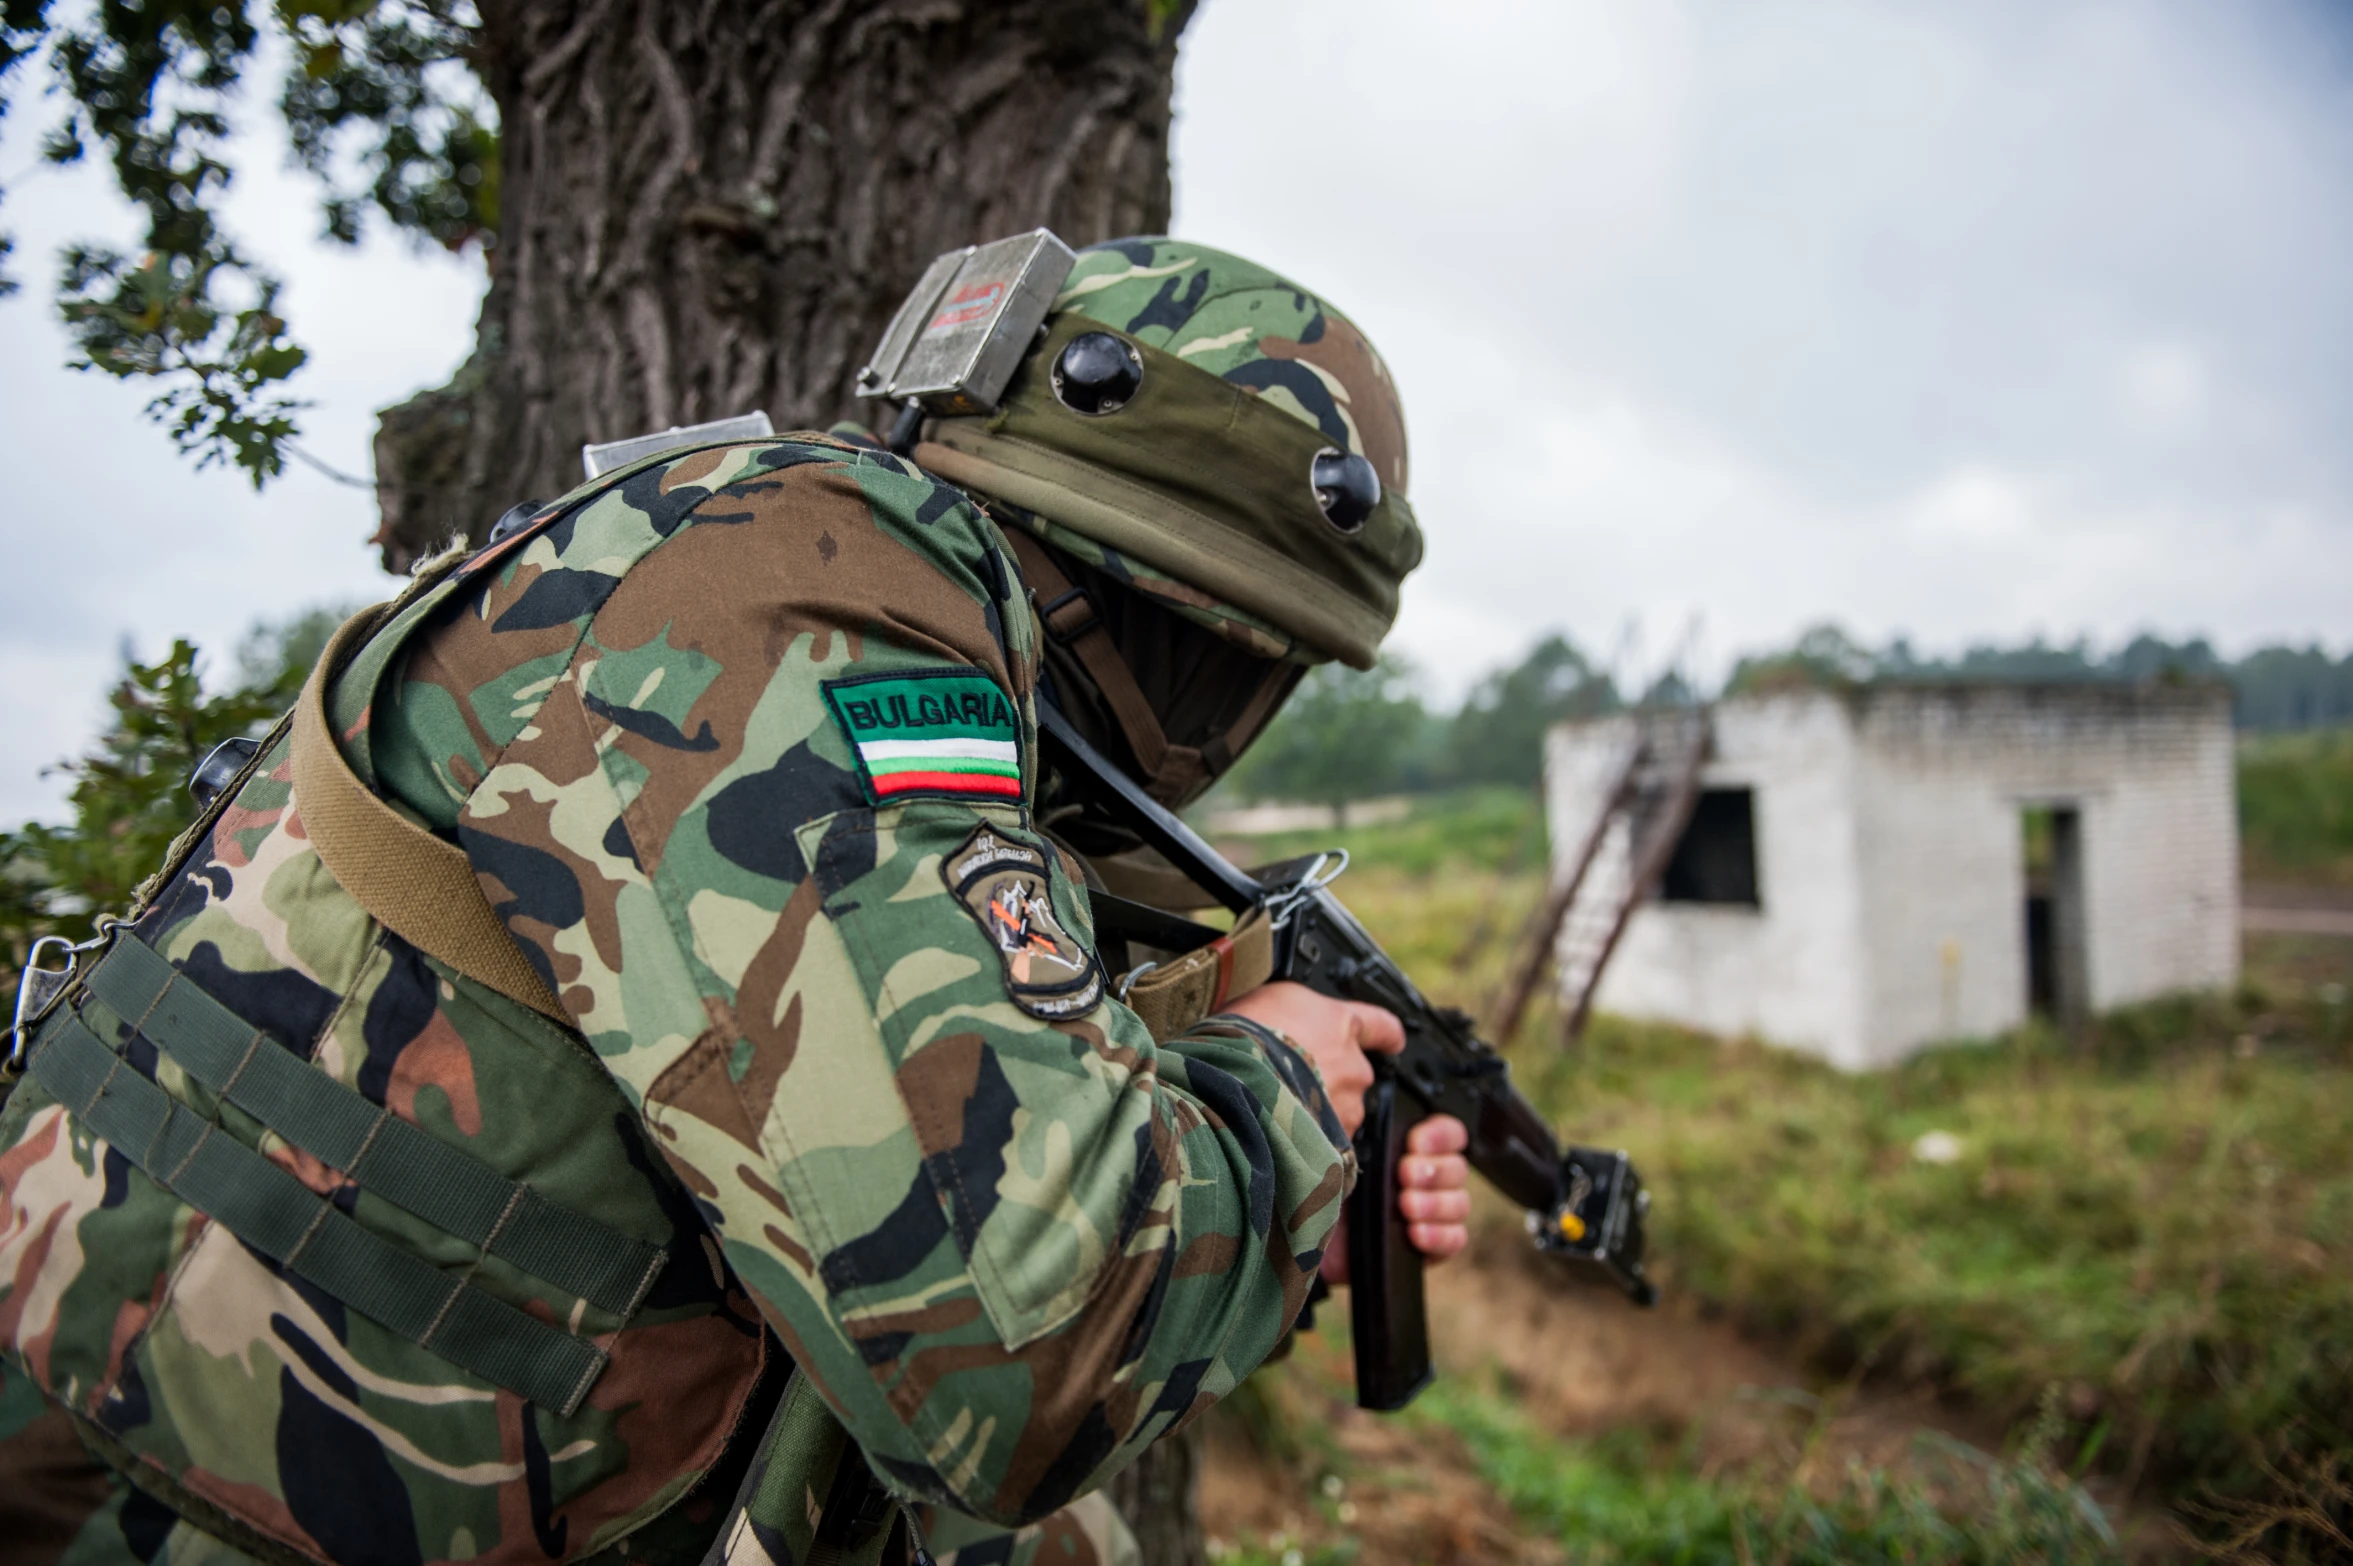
(1873, 870)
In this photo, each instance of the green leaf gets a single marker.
(380, 85)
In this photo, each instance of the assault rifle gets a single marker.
(1585, 1204)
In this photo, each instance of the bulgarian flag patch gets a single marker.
(930, 733)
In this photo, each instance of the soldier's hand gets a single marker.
(1333, 1033)
(1432, 1177)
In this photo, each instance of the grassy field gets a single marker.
(1630, 1497)
(2140, 1256)
(2296, 806)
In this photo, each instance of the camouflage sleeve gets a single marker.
(753, 794)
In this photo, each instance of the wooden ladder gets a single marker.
(1616, 868)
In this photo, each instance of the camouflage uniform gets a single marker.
(743, 752)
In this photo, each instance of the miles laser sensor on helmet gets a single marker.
(958, 338)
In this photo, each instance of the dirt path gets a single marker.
(1580, 1362)
(2285, 909)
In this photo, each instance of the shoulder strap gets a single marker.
(416, 885)
(1069, 617)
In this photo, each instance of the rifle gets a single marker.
(1584, 1204)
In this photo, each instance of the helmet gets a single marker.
(1215, 436)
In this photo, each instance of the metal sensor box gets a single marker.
(956, 341)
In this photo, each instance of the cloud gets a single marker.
(2161, 387)
(1965, 320)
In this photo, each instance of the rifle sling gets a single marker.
(1174, 995)
(415, 884)
(1068, 615)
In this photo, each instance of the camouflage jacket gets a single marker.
(743, 752)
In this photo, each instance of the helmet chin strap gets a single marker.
(1172, 773)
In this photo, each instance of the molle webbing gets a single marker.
(444, 1185)
(277, 1215)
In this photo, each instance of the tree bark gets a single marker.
(713, 206)
(1160, 1496)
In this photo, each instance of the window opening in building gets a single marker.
(1716, 859)
(2056, 982)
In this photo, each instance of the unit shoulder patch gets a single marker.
(1003, 885)
(929, 733)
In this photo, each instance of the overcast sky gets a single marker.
(1969, 320)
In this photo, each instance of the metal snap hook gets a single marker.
(1127, 980)
(1321, 872)
(37, 987)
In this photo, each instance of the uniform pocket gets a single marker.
(1027, 1097)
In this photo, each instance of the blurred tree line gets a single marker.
(1360, 735)
(2273, 689)
(1349, 735)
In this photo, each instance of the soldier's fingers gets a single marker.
(1436, 1135)
(1447, 1173)
(1435, 1206)
(1375, 1029)
(1437, 1241)
(1346, 1075)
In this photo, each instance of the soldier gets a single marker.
(642, 1016)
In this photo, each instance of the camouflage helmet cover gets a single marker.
(1197, 490)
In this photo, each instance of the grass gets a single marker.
(1476, 829)
(2296, 806)
(1619, 1499)
(1638, 1496)
(2148, 1231)
(2153, 1224)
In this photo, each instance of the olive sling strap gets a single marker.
(418, 886)
(776, 1515)
(1171, 996)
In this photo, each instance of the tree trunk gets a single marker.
(714, 207)
(1160, 1496)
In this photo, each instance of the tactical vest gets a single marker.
(329, 1231)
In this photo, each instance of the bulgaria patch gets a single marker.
(931, 733)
